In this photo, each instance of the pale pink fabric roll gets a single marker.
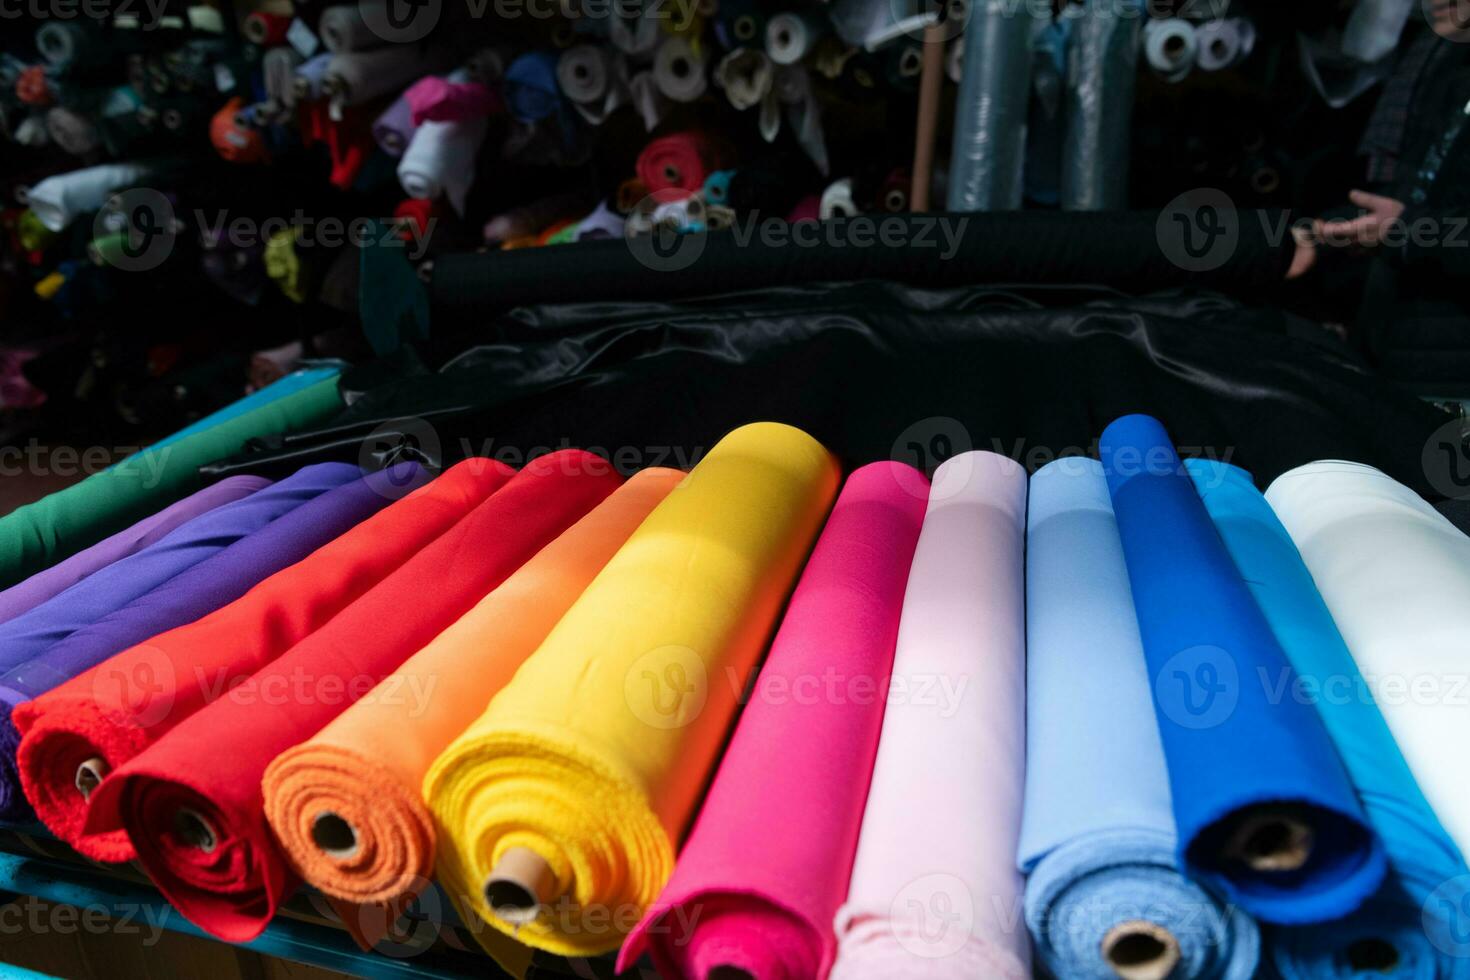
(935, 894)
(767, 862)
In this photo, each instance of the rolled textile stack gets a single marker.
(934, 887)
(531, 90)
(37, 535)
(1225, 43)
(58, 578)
(201, 833)
(584, 73)
(759, 898)
(440, 159)
(117, 709)
(1395, 575)
(1104, 892)
(358, 77)
(344, 27)
(58, 201)
(988, 157)
(571, 792)
(1171, 46)
(1102, 67)
(206, 586)
(746, 75)
(1263, 806)
(454, 99)
(1421, 856)
(679, 164)
(394, 129)
(791, 35)
(347, 804)
(680, 70)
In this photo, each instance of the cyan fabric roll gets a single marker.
(1262, 803)
(1097, 835)
(1386, 936)
(282, 388)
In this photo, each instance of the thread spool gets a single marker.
(1272, 839)
(1140, 950)
(519, 885)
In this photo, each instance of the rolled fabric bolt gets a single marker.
(58, 200)
(680, 71)
(875, 24)
(354, 789)
(988, 149)
(266, 28)
(604, 222)
(651, 104)
(803, 112)
(607, 770)
(454, 99)
(344, 27)
(746, 75)
(584, 73)
(532, 217)
(685, 214)
(394, 129)
(440, 159)
(278, 70)
(235, 142)
(837, 200)
(1395, 576)
(310, 76)
(768, 909)
(72, 131)
(637, 36)
(64, 43)
(934, 884)
(1225, 43)
(1170, 46)
(717, 187)
(358, 77)
(1104, 895)
(531, 91)
(1101, 76)
(58, 578)
(791, 35)
(1403, 921)
(116, 710)
(678, 162)
(1271, 818)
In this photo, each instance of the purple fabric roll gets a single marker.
(25, 596)
(395, 127)
(32, 633)
(203, 588)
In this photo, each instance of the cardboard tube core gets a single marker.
(1272, 839)
(520, 884)
(1140, 950)
(191, 827)
(334, 836)
(1373, 956)
(90, 775)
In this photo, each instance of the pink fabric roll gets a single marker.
(435, 99)
(935, 894)
(755, 893)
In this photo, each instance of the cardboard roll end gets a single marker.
(194, 830)
(520, 884)
(1141, 950)
(333, 835)
(1272, 839)
(90, 775)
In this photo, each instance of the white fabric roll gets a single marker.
(636, 37)
(652, 105)
(440, 158)
(1225, 43)
(1396, 575)
(58, 200)
(602, 223)
(1171, 46)
(837, 200)
(680, 72)
(746, 75)
(790, 36)
(584, 73)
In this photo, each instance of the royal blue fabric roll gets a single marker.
(1097, 837)
(1386, 936)
(105, 591)
(276, 390)
(201, 589)
(1247, 770)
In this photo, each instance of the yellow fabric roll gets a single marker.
(594, 756)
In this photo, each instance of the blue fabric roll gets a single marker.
(532, 92)
(1243, 764)
(115, 586)
(1097, 835)
(1386, 934)
(288, 385)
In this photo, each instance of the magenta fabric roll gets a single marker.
(25, 596)
(752, 890)
(435, 99)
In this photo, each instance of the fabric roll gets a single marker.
(603, 222)
(837, 200)
(804, 746)
(637, 36)
(934, 884)
(1225, 43)
(529, 218)
(356, 77)
(746, 75)
(113, 587)
(278, 71)
(1395, 575)
(435, 99)
(58, 578)
(201, 832)
(58, 200)
(988, 156)
(440, 159)
(344, 28)
(1171, 46)
(266, 28)
(284, 387)
(1104, 892)
(63, 43)
(58, 526)
(791, 35)
(362, 775)
(679, 162)
(394, 129)
(1262, 803)
(584, 73)
(874, 24)
(73, 131)
(209, 584)
(592, 760)
(311, 76)
(1102, 66)
(116, 710)
(531, 90)
(1421, 856)
(680, 71)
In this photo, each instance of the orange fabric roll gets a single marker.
(347, 804)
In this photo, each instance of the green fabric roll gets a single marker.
(38, 535)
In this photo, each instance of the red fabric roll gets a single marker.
(192, 803)
(266, 29)
(123, 705)
(233, 142)
(679, 162)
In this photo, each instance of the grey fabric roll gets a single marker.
(1102, 65)
(1225, 43)
(72, 131)
(873, 24)
(988, 158)
(746, 75)
(584, 73)
(680, 72)
(343, 28)
(791, 35)
(1171, 46)
(356, 77)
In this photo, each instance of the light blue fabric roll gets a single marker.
(1097, 835)
(1387, 936)
(288, 385)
